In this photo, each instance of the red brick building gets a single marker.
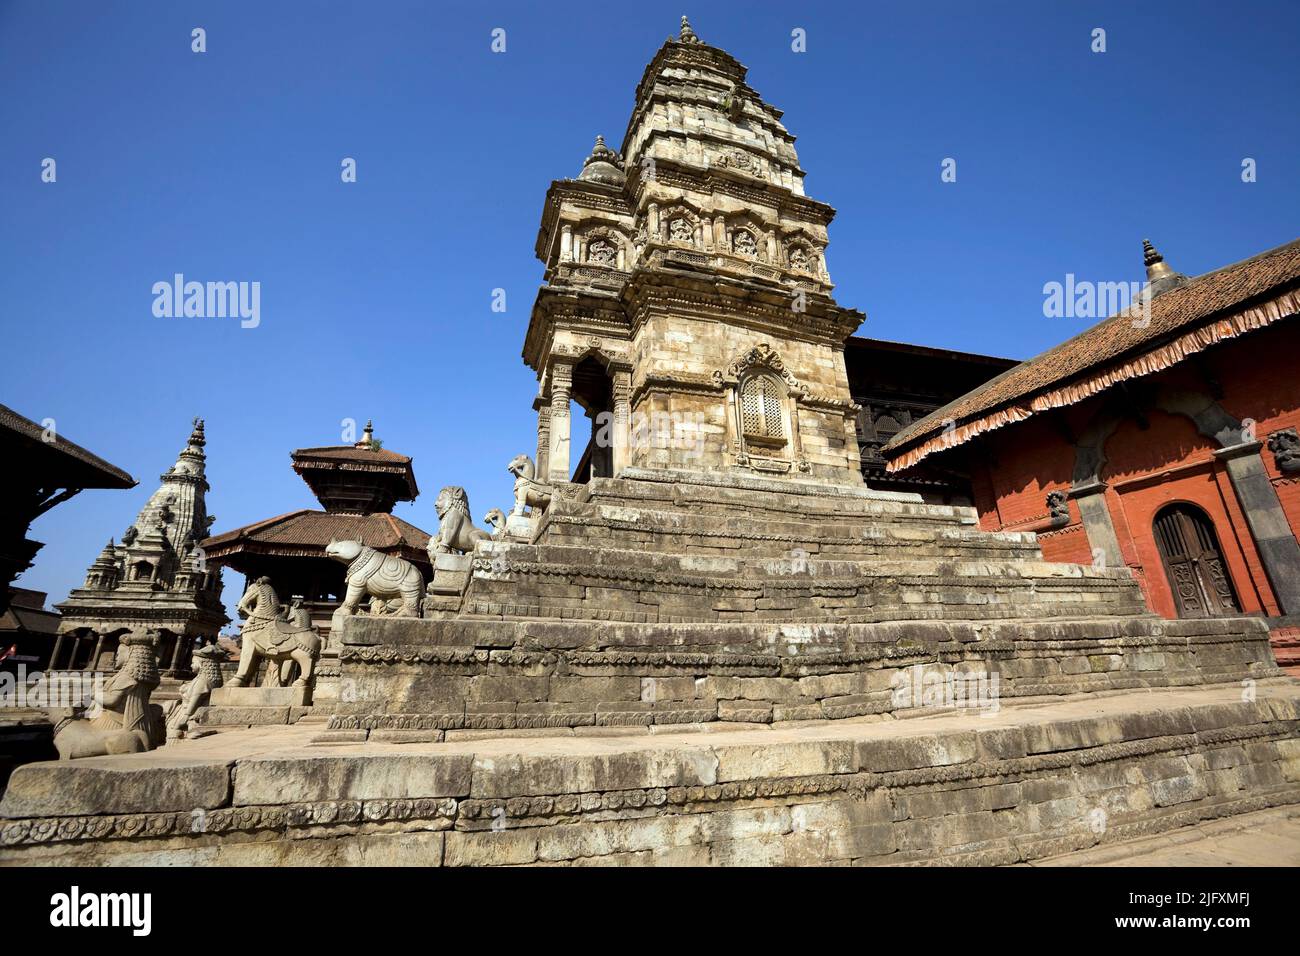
(1163, 438)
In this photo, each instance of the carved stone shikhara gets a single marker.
(269, 634)
(126, 721)
(385, 577)
(1285, 446)
(154, 578)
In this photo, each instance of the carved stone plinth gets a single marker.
(260, 697)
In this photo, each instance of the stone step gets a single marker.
(581, 583)
(762, 499)
(425, 675)
(687, 532)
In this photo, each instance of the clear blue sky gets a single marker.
(376, 295)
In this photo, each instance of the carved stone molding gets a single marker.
(762, 357)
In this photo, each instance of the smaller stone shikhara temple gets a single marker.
(697, 639)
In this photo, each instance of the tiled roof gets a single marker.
(105, 475)
(351, 453)
(1183, 320)
(308, 531)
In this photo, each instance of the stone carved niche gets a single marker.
(744, 244)
(681, 230)
(604, 247)
(602, 252)
(803, 258)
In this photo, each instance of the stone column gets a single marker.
(55, 654)
(655, 232)
(1278, 549)
(543, 410)
(561, 384)
(94, 655)
(1096, 522)
(622, 418)
(566, 243)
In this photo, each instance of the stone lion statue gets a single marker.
(529, 492)
(456, 532)
(382, 576)
(266, 633)
(127, 722)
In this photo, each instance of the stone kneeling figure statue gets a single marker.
(124, 720)
(196, 693)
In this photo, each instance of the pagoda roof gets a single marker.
(305, 533)
(1234, 300)
(357, 462)
(83, 469)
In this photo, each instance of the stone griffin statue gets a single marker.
(1058, 507)
(1285, 446)
(496, 520)
(456, 532)
(126, 722)
(267, 633)
(196, 693)
(382, 576)
(529, 492)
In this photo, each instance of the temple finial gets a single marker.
(687, 34)
(1160, 277)
(196, 436)
(367, 435)
(1149, 254)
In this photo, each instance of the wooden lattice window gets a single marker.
(762, 413)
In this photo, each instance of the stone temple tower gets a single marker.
(687, 306)
(155, 578)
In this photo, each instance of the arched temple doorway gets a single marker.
(1193, 562)
(593, 390)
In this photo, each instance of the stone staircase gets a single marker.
(669, 597)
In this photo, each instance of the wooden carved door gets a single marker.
(1197, 575)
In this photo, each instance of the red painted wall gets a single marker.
(1014, 468)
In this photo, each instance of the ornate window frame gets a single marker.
(763, 452)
